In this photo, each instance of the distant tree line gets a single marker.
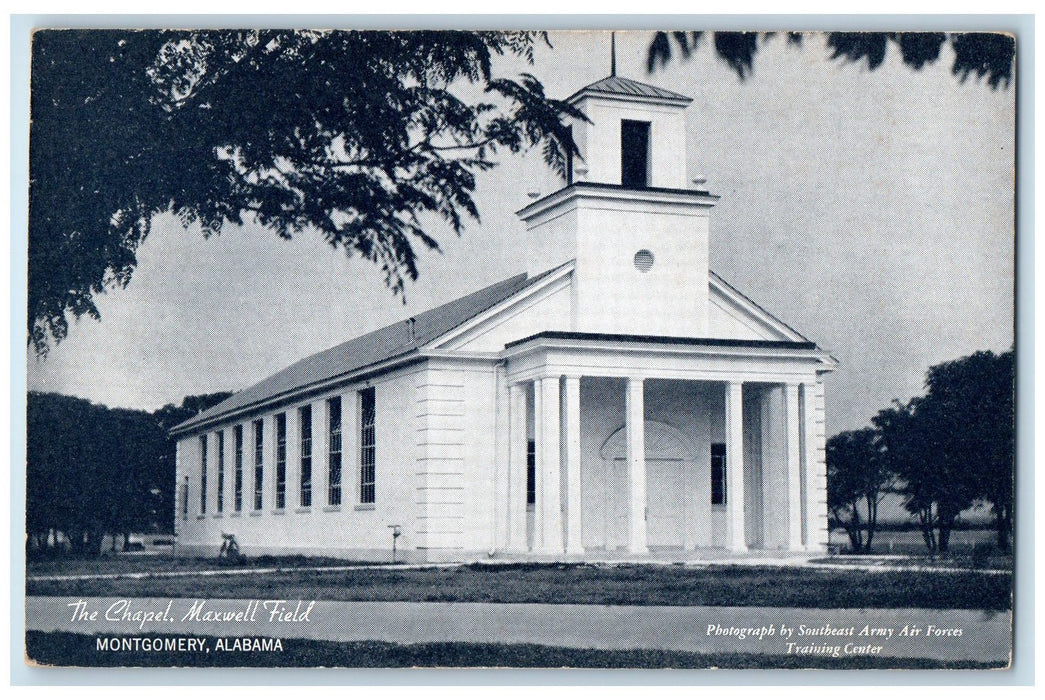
(93, 471)
(943, 453)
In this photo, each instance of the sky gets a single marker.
(870, 210)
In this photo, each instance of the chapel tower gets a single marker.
(638, 233)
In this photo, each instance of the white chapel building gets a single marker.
(617, 399)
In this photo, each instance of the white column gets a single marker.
(501, 502)
(535, 536)
(769, 453)
(573, 465)
(809, 455)
(635, 432)
(794, 468)
(735, 466)
(517, 469)
(549, 506)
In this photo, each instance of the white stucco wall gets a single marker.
(455, 429)
(603, 231)
(613, 296)
(552, 242)
(351, 529)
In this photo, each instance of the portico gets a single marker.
(618, 435)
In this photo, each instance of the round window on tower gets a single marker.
(643, 260)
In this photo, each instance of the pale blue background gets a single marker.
(1023, 673)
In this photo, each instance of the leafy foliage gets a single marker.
(857, 477)
(92, 470)
(955, 446)
(982, 54)
(970, 404)
(356, 136)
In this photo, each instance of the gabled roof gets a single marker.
(375, 348)
(616, 85)
(752, 308)
(399, 343)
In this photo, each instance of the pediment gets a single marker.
(545, 306)
(733, 315)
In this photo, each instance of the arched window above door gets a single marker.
(662, 442)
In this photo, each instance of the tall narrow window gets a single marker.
(221, 471)
(237, 479)
(281, 461)
(367, 445)
(305, 422)
(531, 472)
(634, 154)
(334, 451)
(185, 499)
(203, 473)
(259, 463)
(718, 474)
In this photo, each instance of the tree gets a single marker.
(987, 55)
(70, 471)
(971, 401)
(955, 445)
(857, 478)
(359, 137)
(908, 453)
(92, 470)
(51, 420)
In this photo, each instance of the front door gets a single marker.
(667, 454)
(665, 500)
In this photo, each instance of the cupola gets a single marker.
(637, 233)
(636, 136)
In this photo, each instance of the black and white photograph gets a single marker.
(474, 348)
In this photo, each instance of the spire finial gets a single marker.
(613, 53)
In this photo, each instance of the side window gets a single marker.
(305, 423)
(334, 451)
(203, 473)
(237, 479)
(221, 471)
(531, 472)
(185, 499)
(367, 445)
(718, 474)
(259, 462)
(281, 461)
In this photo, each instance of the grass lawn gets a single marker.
(639, 584)
(164, 563)
(67, 649)
(969, 548)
